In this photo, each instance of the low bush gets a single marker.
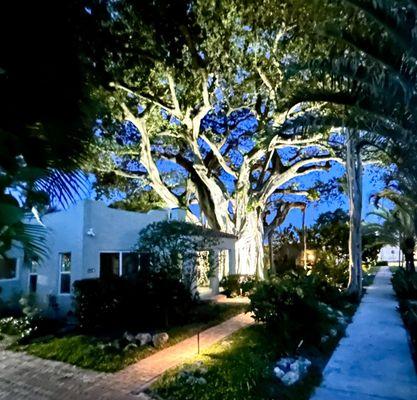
(405, 284)
(235, 284)
(29, 323)
(408, 311)
(150, 299)
(335, 272)
(290, 305)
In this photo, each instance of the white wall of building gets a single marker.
(390, 254)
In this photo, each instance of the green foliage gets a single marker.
(29, 323)
(85, 352)
(144, 201)
(20, 327)
(330, 234)
(332, 270)
(172, 247)
(405, 284)
(330, 237)
(239, 368)
(151, 299)
(281, 301)
(235, 284)
(408, 311)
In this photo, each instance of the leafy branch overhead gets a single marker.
(202, 122)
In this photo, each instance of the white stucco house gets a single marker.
(390, 254)
(90, 240)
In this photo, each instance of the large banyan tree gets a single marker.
(192, 113)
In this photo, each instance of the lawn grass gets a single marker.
(87, 351)
(241, 367)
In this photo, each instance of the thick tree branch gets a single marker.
(147, 98)
(281, 214)
(299, 168)
(174, 97)
(220, 159)
(147, 161)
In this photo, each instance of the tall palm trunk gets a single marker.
(354, 177)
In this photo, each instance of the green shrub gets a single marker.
(335, 272)
(149, 299)
(405, 284)
(409, 315)
(235, 284)
(172, 247)
(13, 326)
(29, 323)
(290, 305)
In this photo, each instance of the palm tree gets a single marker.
(397, 228)
(363, 63)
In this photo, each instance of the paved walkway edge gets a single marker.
(373, 361)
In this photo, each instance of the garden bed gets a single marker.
(94, 351)
(241, 367)
(405, 287)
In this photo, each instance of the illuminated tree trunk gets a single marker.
(354, 178)
(249, 246)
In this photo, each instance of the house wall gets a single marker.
(391, 254)
(13, 289)
(65, 234)
(85, 230)
(114, 230)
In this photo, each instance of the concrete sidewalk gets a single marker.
(373, 361)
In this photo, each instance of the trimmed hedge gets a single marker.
(235, 284)
(405, 284)
(147, 300)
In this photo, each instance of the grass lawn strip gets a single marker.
(91, 352)
(241, 367)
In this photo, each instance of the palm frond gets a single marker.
(63, 187)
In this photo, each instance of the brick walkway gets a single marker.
(24, 377)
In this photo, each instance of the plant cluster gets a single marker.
(173, 247)
(290, 303)
(150, 298)
(238, 285)
(29, 323)
(405, 284)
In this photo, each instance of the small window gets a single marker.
(8, 268)
(33, 283)
(130, 263)
(109, 265)
(65, 273)
(33, 276)
(118, 264)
